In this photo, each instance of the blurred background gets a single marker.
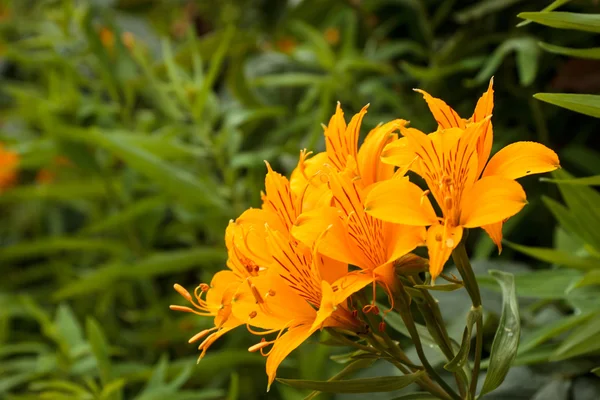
(132, 131)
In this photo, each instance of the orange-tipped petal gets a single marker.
(520, 159)
(485, 104)
(445, 116)
(495, 233)
(371, 168)
(400, 201)
(490, 200)
(341, 142)
(287, 343)
(441, 241)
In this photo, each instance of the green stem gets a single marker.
(461, 260)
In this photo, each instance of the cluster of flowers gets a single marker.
(349, 217)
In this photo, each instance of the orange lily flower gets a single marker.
(300, 293)
(469, 190)
(352, 236)
(9, 162)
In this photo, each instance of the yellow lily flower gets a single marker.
(346, 176)
(469, 190)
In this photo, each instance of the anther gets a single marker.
(448, 203)
(200, 335)
(382, 326)
(259, 346)
(204, 287)
(257, 296)
(252, 314)
(450, 242)
(438, 237)
(271, 292)
(182, 291)
(181, 308)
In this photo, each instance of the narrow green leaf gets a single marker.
(52, 246)
(583, 340)
(462, 356)
(176, 181)
(506, 341)
(322, 50)
(592, 53)
(587, 181)
(99, 349)
(587, 104)
(134, 211)
(446, 287)
(565, 20)
(162, 263)
(596, 371)
(68, 326)
(394, 320)
(347, 371)
(56, 191)
(590, 278)
(556, 256)
(365, 385)
(556, 283)
(290, 79)
(417, 396)
(481, 9)
(551, 7)
(552, 330)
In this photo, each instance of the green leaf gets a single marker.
(587, 104)
(481, 9)
(596, 371)
(56, 191)
(319, 45)
(446, 287)
(290, 79)
(462, 356)
(557, 257)
(99, 349)
(162, 263)
(365, 385)
(590, 278)
(592, 54)
(440, 72)
(551, 7)
(565, 20)
(51, 246)
(417, 396)
(556, 283)
(506, 341)
(582, 202)
(394, 320)
(68, 327)
(587, 181)
(552, 330)
(134, 211)
(347, 371)
(527, 52)
(583, 340)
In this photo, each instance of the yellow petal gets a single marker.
(441, 241)
(445, 116)
(484, 109)
(520, 159)
(400, 201)
(287, 343)
(401, 239)
(490, 200)
(369, 165)
(485, 104)
(349, 284)
(495, 233)
(341, 142)
(279, 198)
(334, 243)
(400, 154)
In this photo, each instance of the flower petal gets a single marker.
(520, 159)
(341, 141)
(490, 200)
(399, 153)
(445, 116)
(287, 343)
(350, 284)
(441, 241)
(495, 233)
(400, 201)
(369, 165)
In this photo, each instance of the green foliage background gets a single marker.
(166, 138)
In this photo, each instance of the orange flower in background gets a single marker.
(9, 161)
(286, 44)
(332, 35)
(470, 191)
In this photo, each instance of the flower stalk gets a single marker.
(461, 260)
